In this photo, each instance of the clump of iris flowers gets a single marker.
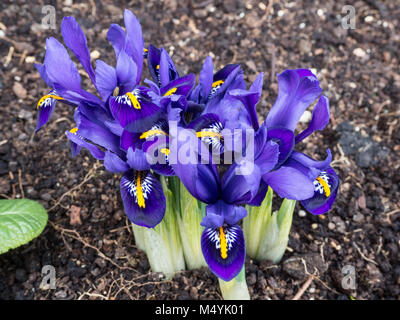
(198, 168)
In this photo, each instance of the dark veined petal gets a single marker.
(297, 90)
(319, 119)
(75, 39)
(143, 198)
(45, 107)
(134, 112)
(208, 128)
(224, 250)
(326, 188)
(78, 142)
(181, 86)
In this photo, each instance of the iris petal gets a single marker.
(326, 188)
(75, 39)
(224, 250)
(297, 90)
(132, 116)
(143, 198)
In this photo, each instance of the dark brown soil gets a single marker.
(359, 72)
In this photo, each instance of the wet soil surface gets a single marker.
(359, 72)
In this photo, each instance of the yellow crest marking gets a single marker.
(165, 151)
(134, 100)
(139, 192)
(158, 67)
(325, 186)
(171, 91)
(150, 133)
(223, 243)
(204, 134)
(73, 130)
(217, 83)
(48, 96)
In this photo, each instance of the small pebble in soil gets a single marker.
(331, 226)
(302, 213)
(314, 226)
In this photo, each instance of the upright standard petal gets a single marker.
(297, 90)
(319, 119)
(116, 36)
(126, 71)
(106, 79)
(63, 73)
(224, 250)
(59, 66)
(250, 99)
(134, 42)
(206, 77)
(143, 198)
(75, 39)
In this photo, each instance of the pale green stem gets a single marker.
(190, 215)
(162, 244)
(139, 237)
(255, 223)
(266, 233)
(236, 289)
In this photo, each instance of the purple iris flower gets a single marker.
(296, 176)
(61, 74)
(162, 68)
(222, 240)
(212, 88)
(141, 192)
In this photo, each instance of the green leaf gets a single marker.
(21, 220)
